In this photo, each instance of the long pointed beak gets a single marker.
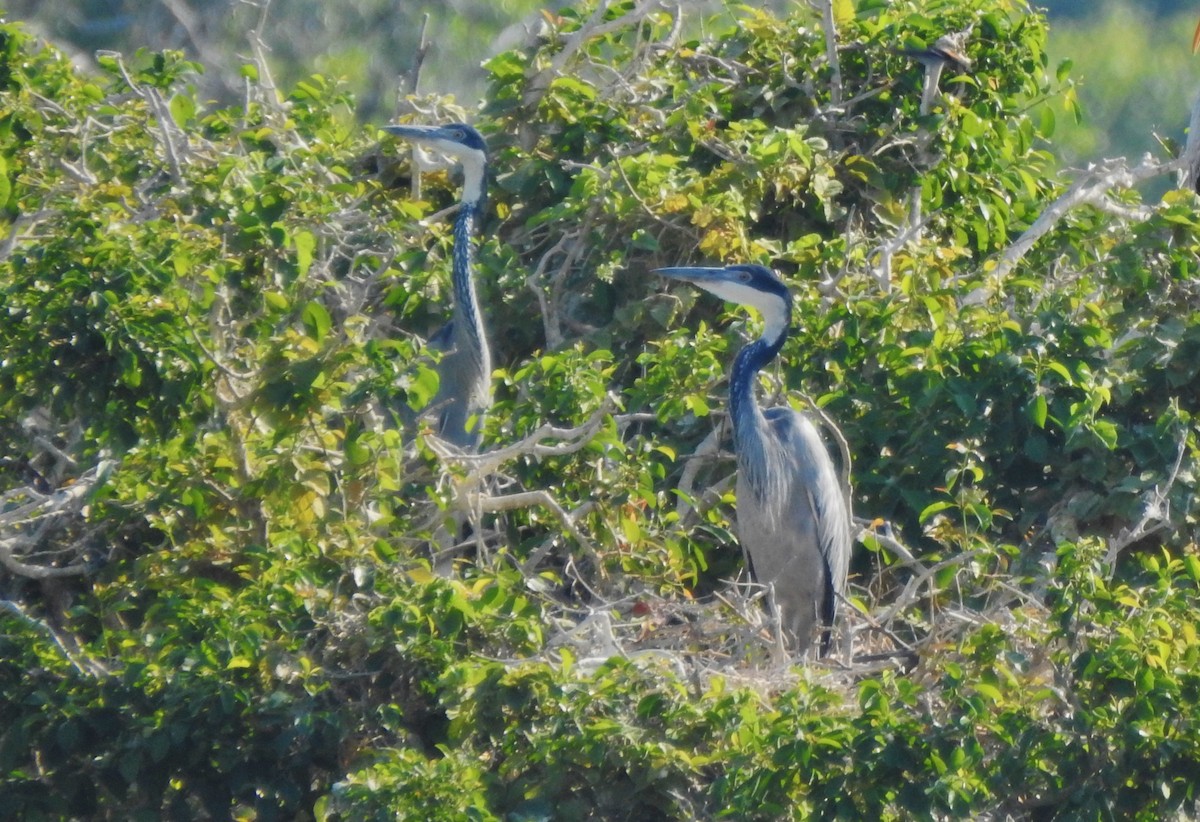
(693, 274)
(412, 132)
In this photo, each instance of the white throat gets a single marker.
(473, 165)
(772, 307)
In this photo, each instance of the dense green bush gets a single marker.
(219, 500)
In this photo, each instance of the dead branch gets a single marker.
(27, 527)
(1189, 171)
(1091, 188)
(1156, 512)
(410, 79)
(84, 665)
(829, 25)
(909, 230)
(594, 27)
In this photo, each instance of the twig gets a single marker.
(162, 115)
(908, 595)
(534, 280)
(708, 448)
(488, 462)
(886, 540)
(469, 497)
(44, 512)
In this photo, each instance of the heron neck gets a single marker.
(743, 407)
(474, 182)
(466, 304)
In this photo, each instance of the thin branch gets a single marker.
(534, 280)
(909, 595)
(909, 230)
(1189, 172)
(1091, 188)
(45, 513)
(831, 55)
(412, 78)
(594, 27)
(488, 462)
(1156, 512)
(85, 666)
(708, 449)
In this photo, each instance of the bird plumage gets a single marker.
(465, 370)
(793, 518)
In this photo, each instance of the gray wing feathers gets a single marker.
(796, 526)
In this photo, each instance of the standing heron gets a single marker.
(465, 370)
(792, 517)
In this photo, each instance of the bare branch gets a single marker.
(412, 78)
(594, 27)
(1156, 512)
(909, 230)
(1189, 172)
(708, 449)
(831, 55)
(46, 515)
(1091, 188)
(86, 666)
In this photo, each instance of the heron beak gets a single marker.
(423, 133)
(693, 274)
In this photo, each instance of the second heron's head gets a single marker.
(745, 284)
(456, 140)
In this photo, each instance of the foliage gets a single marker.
(225, 310)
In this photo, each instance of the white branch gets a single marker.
(1092, 188)
(594, 27)
(1156, 512)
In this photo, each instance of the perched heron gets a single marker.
(792, 517)
(947, 50)
(465, 370)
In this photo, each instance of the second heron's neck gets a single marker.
(466, 305)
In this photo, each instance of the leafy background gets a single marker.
(218, 503)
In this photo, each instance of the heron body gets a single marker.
(793, 518)
(465, 370)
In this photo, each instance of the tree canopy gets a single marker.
(219, 501)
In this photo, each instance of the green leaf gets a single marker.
(1038, 410)
(305, 243)
(317, 321)
(933, 508)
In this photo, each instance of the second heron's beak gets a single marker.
(693, 274)
(413, 132)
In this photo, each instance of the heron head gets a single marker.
(745, 284)
(457, 140)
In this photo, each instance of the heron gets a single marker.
(947, 50)
(793, 519)
(465, 369)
